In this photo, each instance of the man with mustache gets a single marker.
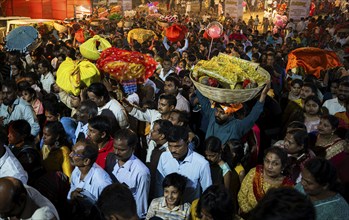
(166, 104)
(182, 160)
(88, 179)
(221, 120)
(338, 104)
(15, 108)
(131, 171)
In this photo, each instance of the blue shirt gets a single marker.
(195, 167)
(233, 128)
(21, 110)
(93, 183)
(69, 125)
(334, 207)
(137, 177)
(80, 128)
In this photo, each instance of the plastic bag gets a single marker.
(74, 75)
(176, 32)
(89, 49)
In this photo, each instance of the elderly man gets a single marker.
(88, 179)
(19, 201)
(14, 108)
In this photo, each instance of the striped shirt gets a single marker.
(158, 208)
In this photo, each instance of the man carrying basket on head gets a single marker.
(221, 120)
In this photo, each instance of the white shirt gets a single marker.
(292, 25)
(137, 177)
(164, 76)
(80, 128)
(331, 31)
(93, 183)
(42, 213)
(118, 110)
(333, 106)
(151, 147)
(342, 41)
(47, 209)
(47, 81)
(10, 166)
(300, 26)
(150, 115)
(195, 167)
(182, 103)
(133, 98)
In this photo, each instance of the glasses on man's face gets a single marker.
(74, 154)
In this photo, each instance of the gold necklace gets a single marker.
(323, 142)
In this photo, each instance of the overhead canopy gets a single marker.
(56, 9)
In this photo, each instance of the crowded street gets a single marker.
(192, 110)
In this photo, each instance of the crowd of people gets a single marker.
(163, 150)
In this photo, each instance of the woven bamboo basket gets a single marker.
(223, 95)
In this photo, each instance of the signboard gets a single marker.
(233, 8)
(299, 9)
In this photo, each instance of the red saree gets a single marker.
(258, 190)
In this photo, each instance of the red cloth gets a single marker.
(342, 166)
(237, 36)
(338, 158)
(126, 65)
(312, 9)
(82, 35)
(176, 32)
(258, 190)
(102, 153)
(343, 119)
(257, 136)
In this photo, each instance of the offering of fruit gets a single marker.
(228, 71)
(212, 82)
(204, 80)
